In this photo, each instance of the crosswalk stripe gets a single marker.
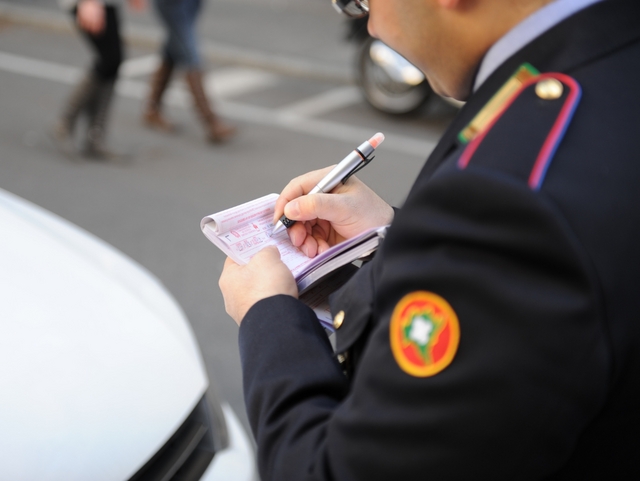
(325, 102)
(139, 66)
(233, 82)
(39, 68)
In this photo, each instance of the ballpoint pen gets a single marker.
(348, 166)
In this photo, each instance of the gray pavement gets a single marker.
(290, 122)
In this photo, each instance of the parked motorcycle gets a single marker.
(388, 81)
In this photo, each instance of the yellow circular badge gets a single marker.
(425, 333)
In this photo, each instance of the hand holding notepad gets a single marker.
(244, 230)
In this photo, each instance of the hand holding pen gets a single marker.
(348, 166)
(326, 219)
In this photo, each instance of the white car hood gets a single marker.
(98, 365)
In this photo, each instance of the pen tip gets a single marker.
(275, 229)
(376, 140)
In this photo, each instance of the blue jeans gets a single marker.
(179, 19)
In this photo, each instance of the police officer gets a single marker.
(495, 334)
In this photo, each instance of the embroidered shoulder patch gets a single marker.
(424, 333)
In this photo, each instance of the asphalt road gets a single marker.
(300, 115)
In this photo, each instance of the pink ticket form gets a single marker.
(244, 230)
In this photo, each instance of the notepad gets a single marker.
(242, 231)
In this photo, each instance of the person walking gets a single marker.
(99, 24)
(180, 50)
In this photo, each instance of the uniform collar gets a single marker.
(524, 32)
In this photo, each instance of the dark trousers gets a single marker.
(107, 45)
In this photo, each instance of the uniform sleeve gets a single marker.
(530, 372)
(292, 385)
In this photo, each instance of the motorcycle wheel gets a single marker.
(382, 92)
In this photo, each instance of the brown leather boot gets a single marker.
(217, 130)
(98, 112)
(153, 116)
(79, 101)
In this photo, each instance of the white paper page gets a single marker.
(240, 215)
(245, 230)
(244, 242)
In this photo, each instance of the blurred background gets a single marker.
(282, 71)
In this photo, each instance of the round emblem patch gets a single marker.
(424, 333)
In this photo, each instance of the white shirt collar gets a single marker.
(524, 32)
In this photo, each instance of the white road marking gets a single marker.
(139, 66)
(325, 102)
(39, 68)
(177, 96)
(226, 82)
(221, 83)
(233, 82)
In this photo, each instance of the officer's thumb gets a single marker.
(314, 206)
(269, 252)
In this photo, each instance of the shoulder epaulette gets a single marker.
(520, 130)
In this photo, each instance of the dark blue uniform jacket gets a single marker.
(533, 239)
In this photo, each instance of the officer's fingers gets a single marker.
(266, 255)
(301, 237)
(265, 275)
(321, 230)
(229, 272)
(322, 245)
(309, 246)
(321, 233)
(298, 187)
(269, 276)
(298, 233)
(235, 275)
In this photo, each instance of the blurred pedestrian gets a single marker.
(100, 26)
(180, 50)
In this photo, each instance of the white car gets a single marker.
(100, 375)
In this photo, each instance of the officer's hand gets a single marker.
(348, 210)
(264, 276)
(91, 16)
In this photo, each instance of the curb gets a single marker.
(151, 37)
